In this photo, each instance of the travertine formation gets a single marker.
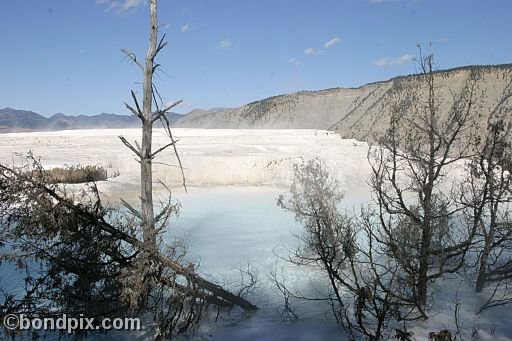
(210, 156)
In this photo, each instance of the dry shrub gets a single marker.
(76, 174)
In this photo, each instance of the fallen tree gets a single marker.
(79, 257)
(36, 181)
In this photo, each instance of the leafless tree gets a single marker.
(487, 194)
(419, 222)
(150, 223)
(363, 293)
(423, 222)
(148, 117)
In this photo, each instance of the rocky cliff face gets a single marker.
(357, 113)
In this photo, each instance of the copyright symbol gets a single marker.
(11, 321)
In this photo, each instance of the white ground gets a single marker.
(210, 157)
(230, 216)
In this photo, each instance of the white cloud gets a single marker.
(120, 5)
(384, 62)
(185, 27)
(331, 43)
(443, 40)
(129, 4)
(225, 44)
(405, 58)
(294, 61)
(310, 51)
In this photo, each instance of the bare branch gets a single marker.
(155, 95)
(136, 103)
(133, 58)
(167, 126)
(135, 112)
(162, 112)
(129, 145)
(161, 44)
(131, 209)
(163, 148)
(137, 145)
(165, 164)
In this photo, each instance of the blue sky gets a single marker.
(65, 55)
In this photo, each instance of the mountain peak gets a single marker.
(14, 120)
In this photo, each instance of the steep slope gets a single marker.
(354, 113)
(493, 86)
(298, 110)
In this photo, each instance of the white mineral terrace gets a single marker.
(210, 156)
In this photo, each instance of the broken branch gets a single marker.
(164, 147)
(129, 145)
(131, 209)
(132, 57)
(162, 112)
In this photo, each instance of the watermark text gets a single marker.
(68, 323)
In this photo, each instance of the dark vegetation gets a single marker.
(75, 174)
(79, 256)
(424, 223)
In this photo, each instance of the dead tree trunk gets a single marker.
(148, 117)
(145, 155)
(146, 176)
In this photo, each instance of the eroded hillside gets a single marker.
(363, 112)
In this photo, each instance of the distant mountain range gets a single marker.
(13, 120)
(359, 113)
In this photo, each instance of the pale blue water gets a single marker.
(230, 227)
